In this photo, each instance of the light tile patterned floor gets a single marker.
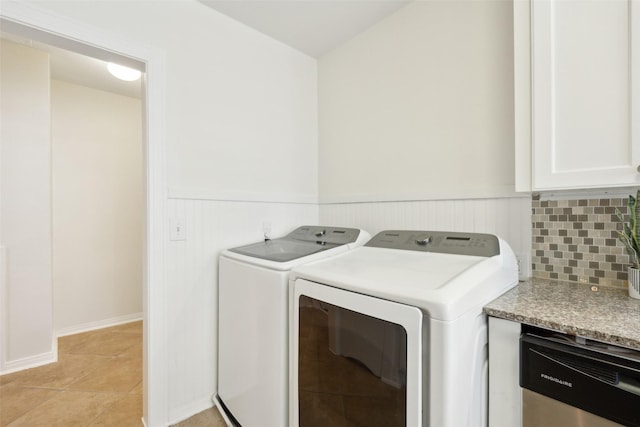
(97, 381)
(209, 418)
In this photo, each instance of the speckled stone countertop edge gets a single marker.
(600, 313)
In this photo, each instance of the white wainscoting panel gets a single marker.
(509, 218)
(192, 271)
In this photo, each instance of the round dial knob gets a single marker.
(424, 242)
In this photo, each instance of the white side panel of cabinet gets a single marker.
(505, 394)
(582, 52)
(634, 53)
(522, 92)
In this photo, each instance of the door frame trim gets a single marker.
(79, 36)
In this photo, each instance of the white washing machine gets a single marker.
(393, 334)
(253, 322)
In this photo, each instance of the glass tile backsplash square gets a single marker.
(577, 241)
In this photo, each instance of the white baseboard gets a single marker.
(183, 412)
(100, 324)
(31, 361)
(52, 356)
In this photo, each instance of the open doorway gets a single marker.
(97, 200)
(28, 22)
(72, 223)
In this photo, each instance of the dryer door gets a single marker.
(356, 359)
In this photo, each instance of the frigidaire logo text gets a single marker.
(556, 380)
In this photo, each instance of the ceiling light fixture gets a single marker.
(123, 73)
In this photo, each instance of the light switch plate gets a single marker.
(266, 229)
(524, 265)
(178, 230)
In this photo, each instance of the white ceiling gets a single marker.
(90, 72)
(79, 69)
(310, 26)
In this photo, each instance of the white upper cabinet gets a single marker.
(583, 80)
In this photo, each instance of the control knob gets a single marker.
(424, 242)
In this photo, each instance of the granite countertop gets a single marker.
(601, 313)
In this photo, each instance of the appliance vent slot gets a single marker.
(606, 375)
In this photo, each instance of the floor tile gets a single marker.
(137, 389)
(116, 375)
(97, 381)
(126, 412)
(134, 351)
(209, 418)
(16, 401)
(67, 343)
(132, 327)
(67, 409)
(7, 378)
(67, 369)
(101, 343)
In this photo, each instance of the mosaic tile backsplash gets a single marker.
(577, 241)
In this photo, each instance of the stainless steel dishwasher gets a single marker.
(569, 381)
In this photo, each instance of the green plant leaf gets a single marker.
(630, 234)
(628, 244)
(635, 214)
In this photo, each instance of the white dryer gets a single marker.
(253, 322)
(393, 334)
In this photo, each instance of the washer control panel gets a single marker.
(474, 244)
(325, 235)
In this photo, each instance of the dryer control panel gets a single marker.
(473, 244)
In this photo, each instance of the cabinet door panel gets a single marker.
(581, 87)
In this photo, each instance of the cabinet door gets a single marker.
(585, 103)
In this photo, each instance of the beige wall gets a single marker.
(71, 208)
(97, 206)
(420, 106)
(25, 208)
